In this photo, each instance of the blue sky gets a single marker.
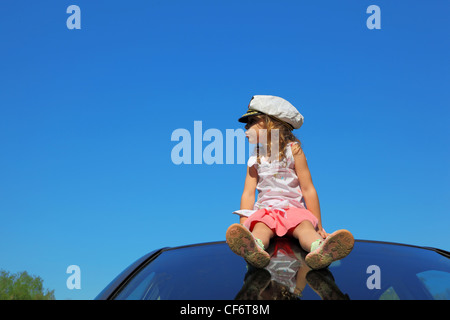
(86, 117)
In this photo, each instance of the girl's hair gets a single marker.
(285, 136)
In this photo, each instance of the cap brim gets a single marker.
(244, 118)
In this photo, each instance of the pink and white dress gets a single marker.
(280, 204)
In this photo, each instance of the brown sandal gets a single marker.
(241, 241)
(335, 247)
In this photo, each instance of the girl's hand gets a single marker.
(322, 233)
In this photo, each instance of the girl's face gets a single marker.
(254, 130)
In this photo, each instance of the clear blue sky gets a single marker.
(86, 118)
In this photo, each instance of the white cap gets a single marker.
(276, 107)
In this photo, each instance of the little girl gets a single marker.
(287, 201)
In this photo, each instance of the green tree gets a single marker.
(22, 286)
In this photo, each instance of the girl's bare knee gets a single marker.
(263, 232)
(304, 225)
(262, 226)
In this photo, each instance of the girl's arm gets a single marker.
(308, 190)
(248, 195)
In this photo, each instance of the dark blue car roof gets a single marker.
(210, 271)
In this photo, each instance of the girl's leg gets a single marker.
(263, 232)
(306, 234)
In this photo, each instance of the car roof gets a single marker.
(212, 271)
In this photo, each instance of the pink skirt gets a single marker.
(281, 222)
